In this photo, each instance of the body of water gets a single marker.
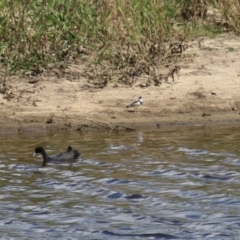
(170, 183)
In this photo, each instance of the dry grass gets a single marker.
(127, 37)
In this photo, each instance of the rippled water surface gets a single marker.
(172, 183)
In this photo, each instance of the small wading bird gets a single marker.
(69, 156)
(136, 104)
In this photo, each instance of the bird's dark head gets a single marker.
(41, 151)
(38, 150)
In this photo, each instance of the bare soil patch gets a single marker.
(205, 91)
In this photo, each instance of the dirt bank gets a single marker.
(206, 91)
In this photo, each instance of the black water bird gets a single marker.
(70, 156)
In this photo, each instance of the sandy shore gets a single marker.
(206, 91)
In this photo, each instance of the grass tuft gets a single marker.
(126, 36)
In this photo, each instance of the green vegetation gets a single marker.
(121, 34)
(230, 49)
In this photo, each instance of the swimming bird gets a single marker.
(69, 156)
(136, 104)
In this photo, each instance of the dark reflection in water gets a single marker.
(173, 183)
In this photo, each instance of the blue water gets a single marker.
(169, 183)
